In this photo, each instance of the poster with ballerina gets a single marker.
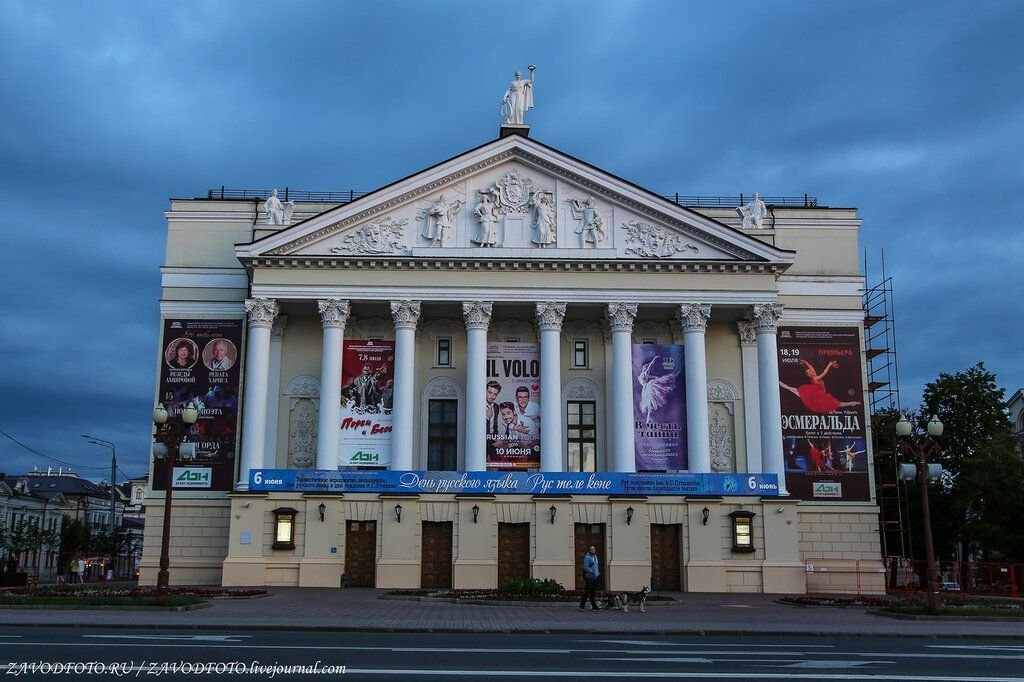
(659, 408)
(821, 386)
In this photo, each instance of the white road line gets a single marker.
(672, 675)
(188, 638)
(979, 647)
(837, 664)
(640, 642)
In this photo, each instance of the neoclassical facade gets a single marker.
(516, 283)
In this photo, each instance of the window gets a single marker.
(649, 341)
(580, 354)
(444, 353)
(442, 435)
(284, 528)
(581, 434)
(742, 531)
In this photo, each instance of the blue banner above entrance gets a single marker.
(510, 482)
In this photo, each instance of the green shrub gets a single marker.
(531, 586)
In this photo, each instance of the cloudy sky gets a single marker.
(911, 112)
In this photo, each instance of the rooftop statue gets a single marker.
(518, 99)
(753, 214)
(274, 209)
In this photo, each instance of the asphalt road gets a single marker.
(45, 653)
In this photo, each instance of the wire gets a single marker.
(44, 456)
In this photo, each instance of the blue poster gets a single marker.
(659, 408)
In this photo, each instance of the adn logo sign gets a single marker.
(193, 477)
(827, 489)
(365, 458)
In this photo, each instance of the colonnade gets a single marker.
(764, 415)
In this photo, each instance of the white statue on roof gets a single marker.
(518, 99)
(753, 214)
(274, 209)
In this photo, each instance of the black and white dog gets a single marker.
(622, 600)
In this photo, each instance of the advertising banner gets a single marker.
(512, 410)
(201, 363)
(511, 482)
(659, 408)
(367, 401)
(823, 431)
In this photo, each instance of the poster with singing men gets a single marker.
(201, 364)
(659, 407)
(367, 403)
(512, 408)
(821, 389)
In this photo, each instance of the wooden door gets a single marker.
(436, 559)
(588, 534)
(361, 553)
(513, 551)
(665, 557)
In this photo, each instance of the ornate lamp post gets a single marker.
(921, 448)
(169, 436)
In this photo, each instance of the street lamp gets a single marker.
(169, 436)
(921, 448)
(113, 472)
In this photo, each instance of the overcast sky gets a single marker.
(911, 112)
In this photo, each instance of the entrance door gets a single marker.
(665, 558)
(361, 553)
(588, 534)
(436, 562)
(513, 551)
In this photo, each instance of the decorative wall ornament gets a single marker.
(581, 389)
(753, 214)
(544, 227)
(766, 317)
(722, 390)
(303, 386)
(514, 192)
(748, 335)
(721, 439)
(302, 434)
(333, 312)
(653, 241)
(486, 213)
(277, 329)
(621, 316)
(583, 328)
(439, 219)
(693, 317)
(442, 387)
(649, 329)
(477, 314)
(512, 329)
(382, 236)
(405, 313)
(261, 311)
(439, 327)
(370, 328)
(550, 316)
(591, 228)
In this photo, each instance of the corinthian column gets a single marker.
(406, 314)
(693, 317)
(478, 317)
(262, 312)
(766, 325)
(334, 314)
(620, 321)
(751, 397)
(549, 321)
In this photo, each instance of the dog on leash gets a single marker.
(622, 600)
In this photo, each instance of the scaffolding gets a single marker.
(884, 402)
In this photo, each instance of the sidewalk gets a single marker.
(351, 609)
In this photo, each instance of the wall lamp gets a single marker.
(476, 512)
(553, 511)
(398, 513)
(629, 515)
(323, 511)
(704, 513)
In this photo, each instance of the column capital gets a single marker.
(621, 316)
(766, 317)
(694, 316)
(405, 313)
(748, 335)
(333, 312)
(277, 330)
(477, 314)
(550, 315)
(262, 311)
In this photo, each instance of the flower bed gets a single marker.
(73, 595)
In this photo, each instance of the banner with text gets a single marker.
(511, 482)
(367, 401)
(512, 410)
(201, 364)
(659, 408)
(823, 431)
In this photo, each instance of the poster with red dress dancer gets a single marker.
(821, 385)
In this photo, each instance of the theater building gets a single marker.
(476, 372)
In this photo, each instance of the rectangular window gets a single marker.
(581, 434)
(649, 341)
(580, 354)
(444, 352)
(443, 435)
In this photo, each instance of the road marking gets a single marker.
(633, 674)
(837, 664)
(188, 638)
(987, 647)
(640, 642)
(657, 659)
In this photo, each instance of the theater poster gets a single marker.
(512, 410)
(367, 403)
(659, 408)
(201, 363)
(823, 429)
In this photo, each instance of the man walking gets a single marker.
(591, 572)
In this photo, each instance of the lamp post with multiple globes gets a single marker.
(921, 448)
(168, 446)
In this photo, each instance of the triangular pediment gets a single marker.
(514, 198)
